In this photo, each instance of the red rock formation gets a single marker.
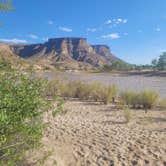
(66, 50)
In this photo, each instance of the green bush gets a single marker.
(21, 107)
(96, 91)
(148, 98)
(145, 98)
(59, 108)
(129, 98)
(107, 93)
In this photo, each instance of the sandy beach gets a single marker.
(92, 134)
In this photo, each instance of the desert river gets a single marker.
(123, 82)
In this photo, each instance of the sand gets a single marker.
(92, 134)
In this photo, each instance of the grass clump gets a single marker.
(59, 107)
(148, 98)
(108, 94)
(129, 98)
(94, 91)
(127, 114)
(145, 99)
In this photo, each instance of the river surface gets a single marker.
(123, 82)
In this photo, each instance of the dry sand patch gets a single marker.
(92, 134)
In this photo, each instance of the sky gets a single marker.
(135, 30)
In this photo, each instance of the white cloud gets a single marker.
(119, 20)
(125, 21)
(65, 29)
(50, 22)
(111, 36)
(13, 41)
(162, 50)
(108, 22)
(116, 21)
(45, 38)
(91, 30)
(158, 29)
(33, 36)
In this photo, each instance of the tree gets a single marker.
(21, 107)
(154, 64)
(6, 5)
(162, 61)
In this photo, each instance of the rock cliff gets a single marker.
(66, 50)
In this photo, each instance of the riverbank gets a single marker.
(123, 82)
(96, 134)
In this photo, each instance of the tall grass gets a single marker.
(94, 91)
(127, 114)
(145, 99)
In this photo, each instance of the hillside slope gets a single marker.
(71, 52)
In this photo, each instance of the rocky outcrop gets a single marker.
(66, 50)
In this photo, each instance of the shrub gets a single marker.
(21, 107)
(127, 114)
(148, 98)
(108, 93)
(129, 98)
(95, 91)
(82, 91)
(145, 99)
(59, 109)
(51, 89)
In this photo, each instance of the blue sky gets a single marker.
(135, 30)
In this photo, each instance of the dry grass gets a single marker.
(94, 91)
(127, 114)
(145, 99)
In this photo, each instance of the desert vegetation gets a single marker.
(21, 108)
(160, 63)
(94, 91)
(156, 64)
(24, 99)
(117, 65)
(144, 99)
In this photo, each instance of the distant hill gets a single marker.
(64, 53)
(7, 57)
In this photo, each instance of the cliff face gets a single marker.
(66, 50)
